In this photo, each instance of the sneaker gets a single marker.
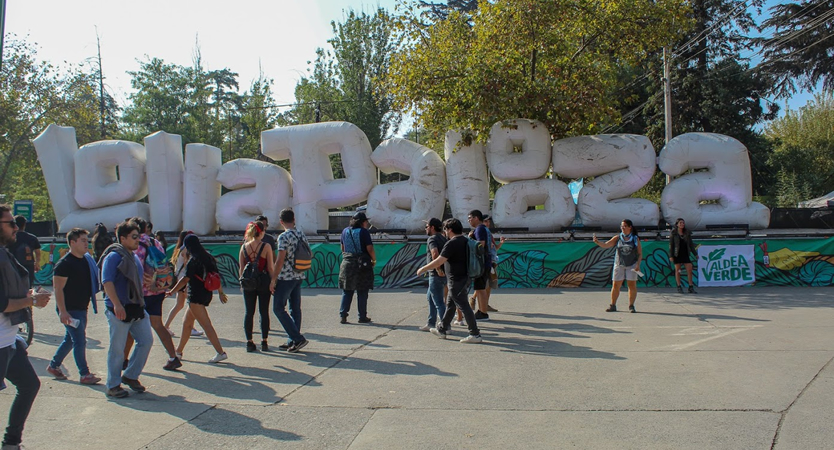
(294, 348)
(631, 309)
(471, 339)
(90, 378)
(438, 333)
(173, 364)
(460, 323)
(343, 319)
(491, 309)
(56, 372)
(284, 347)
(425, 327)
(692, 289)
(680, 290)
(117, 392)
(250, 347)
(264, 346)
(196, 332)
(364, 320)
(218, 357)
(483, 317)
(134, 385)
(611, 308)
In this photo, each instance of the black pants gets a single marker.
(15, 367)
(249, 299)
(458, 290)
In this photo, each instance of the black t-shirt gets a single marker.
(269, 239)
(24, 249)
(77, 291)
(196, 289)
(455, 253)
(435, 241)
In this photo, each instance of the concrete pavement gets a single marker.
(733, 368)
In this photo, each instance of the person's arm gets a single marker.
(672, 246)
(118, 309)
(270, 261)
(240, 260)
(639, 255)
(372, 252)
(37, 256)
(611, 242)
(177, 287)
(500, 243)
(436, 262)
(434, 254)
(32, 298)
(58, 284)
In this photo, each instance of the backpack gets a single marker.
(158, 271)
(474, 258)
(211, 280)
(303, 256)
(251, 280)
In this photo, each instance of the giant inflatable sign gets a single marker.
(106, 181)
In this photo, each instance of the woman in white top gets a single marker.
(180, 257)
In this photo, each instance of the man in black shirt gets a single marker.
(26, 249)
(268, 238)
(453, 258)
(75, 281)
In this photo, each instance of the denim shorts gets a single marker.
(153, 304)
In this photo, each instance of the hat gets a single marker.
(360, 217)
(436, 223)
(486, 217)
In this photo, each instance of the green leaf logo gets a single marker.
(716, 254)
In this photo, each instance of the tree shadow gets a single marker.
(350, 362)
(770, 298)
(545, 347)
(702, 317)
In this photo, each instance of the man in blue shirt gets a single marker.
(476, 221)
(121, 275)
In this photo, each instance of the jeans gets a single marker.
(249, 300)
(289, 290)
(437, 305)
(75, 340)
(457, 297)
(15, 367)
(141, 332)
(361, 302)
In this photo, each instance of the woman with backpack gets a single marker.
(255, 272)
(680, 246)
(356, 273)
(200, 265)
(180, 257)
(626, 263)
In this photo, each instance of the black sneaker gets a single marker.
(296, 346)
(117, 392)
(483, 317)
(173, 364)
(135, 385)
(264, 346)
(611, 308)
(631, 309)
(250, 347)
(343, 320)
(680, 290)
(692, 289)
(365, 320)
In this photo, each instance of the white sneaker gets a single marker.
(218, 357)
(438, 333)
(425, 328)
(196, 332)
(460, 323)
(471, 340)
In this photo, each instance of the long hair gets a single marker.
(198, 252)
(631, 225)
(253, 230)
(179, 245)
(679, 220)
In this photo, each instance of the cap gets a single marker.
(436, 223)
(360, 216)
(486, 217)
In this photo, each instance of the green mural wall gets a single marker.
(791, 262)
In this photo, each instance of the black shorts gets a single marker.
(200, 301)
(682, 259)
(153, 304)
(482, 281)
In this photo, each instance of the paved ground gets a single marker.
(741, 368)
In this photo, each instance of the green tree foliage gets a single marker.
(803, 150)
(347, 82)
(553, 61)
(799, 52)
(437, 11)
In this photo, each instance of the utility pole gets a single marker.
(2, 29)
(667, 97)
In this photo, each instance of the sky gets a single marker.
(277, 38)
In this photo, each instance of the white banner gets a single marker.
(726, 265)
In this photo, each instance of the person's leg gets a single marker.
(63, 349)
(678, 276)
(115, 354)
(176, 309)
(431, 320)
(164, 335)
(688, 273)
(347, 299)
(187, 325)
(79, 342)
(457, 293)
(283, 290)
(141, 332)
(615, 291)
(632, 291)
(362, 303)
(21, 374)
(200, 313)
(249, 299)
(436, 300)
(294, 304)
(128, 346)
(263, 311)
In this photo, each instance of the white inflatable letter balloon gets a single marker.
(201, 189)
(308, 148)
(257, 187)
(621, 164)
(506, 162)
(727, 180)
(466, 176)
(164, 169)
(406, 204)
(109, 173)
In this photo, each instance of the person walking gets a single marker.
(680, 246)
(627, 259)
(482, 235)
(356, 273)
(255, 251)
(26, 249)
(199, 265)
(75, 282)
(453, 257)
(15, 300)
(180, 258)
(437, 277)
(286, 283)
(121, 275)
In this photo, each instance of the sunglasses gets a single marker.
(10, 222)
(134, 236)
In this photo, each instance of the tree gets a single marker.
(437, 11)
(254, 115)
(803, 154)
(799, 51)
(554, 61)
